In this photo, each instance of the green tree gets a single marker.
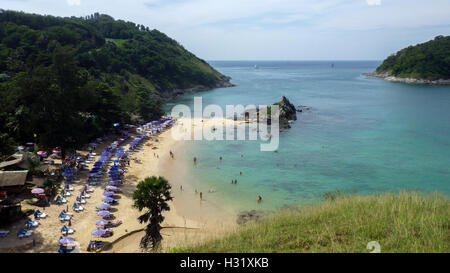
(51, 186)
(152, 195)
(149, 106)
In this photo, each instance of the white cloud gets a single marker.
(272, 29)
(373, 2)
(73, 2)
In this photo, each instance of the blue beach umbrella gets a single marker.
(101, 222)
(103, 206)
(98, 232)
(107, 199)
(108, 193)
(103, 213)
(111, 188)
(66, 240)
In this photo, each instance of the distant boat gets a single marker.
(255, 66)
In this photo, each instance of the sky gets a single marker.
(272, 29)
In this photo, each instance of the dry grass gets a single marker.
(404, 222)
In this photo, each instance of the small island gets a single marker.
(427, 63)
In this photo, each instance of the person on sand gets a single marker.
(181, 188)
(259, 199)
(195, 160)
(201, 196)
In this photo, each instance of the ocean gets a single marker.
(362, 135)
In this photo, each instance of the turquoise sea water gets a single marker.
(362, 134)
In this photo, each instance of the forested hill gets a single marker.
(62, 76)
(427, 61)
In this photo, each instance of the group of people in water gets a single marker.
(233, 181)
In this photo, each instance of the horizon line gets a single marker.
(294, 60)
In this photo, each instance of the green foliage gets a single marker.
(34, 167)
(69, 79)
(404, 222)
(430, 61)
(6, 145)
(51, 186)
(152, 195)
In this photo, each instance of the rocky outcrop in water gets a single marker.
(287, 112)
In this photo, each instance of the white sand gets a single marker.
(189, 220)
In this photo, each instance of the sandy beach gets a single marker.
(190, 219)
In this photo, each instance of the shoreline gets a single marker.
(388, 77)
(189, 220)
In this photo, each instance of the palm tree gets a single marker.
(152, 194)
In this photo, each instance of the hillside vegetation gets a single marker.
(405, 222)
(428, 61)
(66, 80)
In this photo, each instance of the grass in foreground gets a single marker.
(404, 222)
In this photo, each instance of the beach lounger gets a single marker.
(39, 215)
(31, 223)
(77, 207)
(64, 217)
(24, 233)
(66, 231)
(61, 200)
(65, 193)
(85, 195)
(4, 233)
